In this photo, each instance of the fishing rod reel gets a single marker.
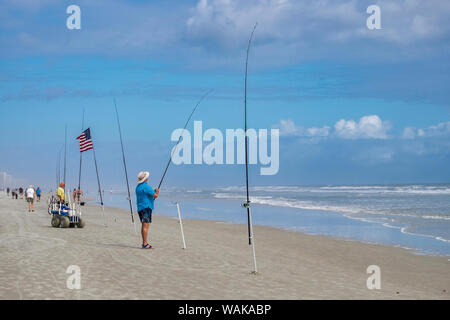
(246, 205)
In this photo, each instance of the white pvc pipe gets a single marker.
(253, 242)
(181, 225)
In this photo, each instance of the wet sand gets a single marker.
(34, 258)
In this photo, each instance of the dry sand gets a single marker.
(34, 258)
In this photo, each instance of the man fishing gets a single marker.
(145, 199)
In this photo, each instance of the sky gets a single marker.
(353, 105)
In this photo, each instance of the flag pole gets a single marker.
(98, 181)
(81, 156)
(125, 168)
(246, 205)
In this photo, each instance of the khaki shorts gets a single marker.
(30, 200)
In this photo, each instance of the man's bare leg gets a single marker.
(144, 232)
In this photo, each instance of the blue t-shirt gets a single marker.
(144, 196)
(38, 192)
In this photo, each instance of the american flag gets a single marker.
(85, 141)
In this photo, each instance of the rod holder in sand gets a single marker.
(181, 224)
(252, 239)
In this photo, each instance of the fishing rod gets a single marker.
(65, 159)
(125, 168)
(247, 203)
(56, 174)
(99, 187)
(58, 168)
(179, 139)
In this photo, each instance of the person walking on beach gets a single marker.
(60, 193)
(21, 192)
(38, 194)
(30, 195)
(7, 192)
(145, 200)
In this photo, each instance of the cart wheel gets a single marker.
(55, 221)
(81, 223)
(65, 222)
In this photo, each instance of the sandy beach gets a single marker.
(34, 258)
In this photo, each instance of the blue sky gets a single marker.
(353, 105)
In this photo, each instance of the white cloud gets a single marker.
(441, 129)
(216, 31)
(420, 133)
(318, 132)
(409, 133)
(368, 127)
(288, 128)
(298, 26)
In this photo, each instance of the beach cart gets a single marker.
(65, 215)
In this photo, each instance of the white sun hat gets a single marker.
(142, 176)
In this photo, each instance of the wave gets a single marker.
(410, 189)
(436, 217)
(309, 205)
(405, 231)
(289, 203)
(357, 213)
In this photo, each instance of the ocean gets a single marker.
(410, 216)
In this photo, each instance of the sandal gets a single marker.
(146, 246)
